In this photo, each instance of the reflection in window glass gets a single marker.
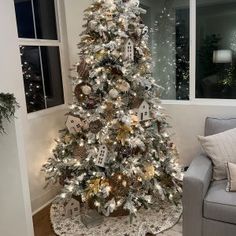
(52, 76)
(42, 77)
(169, 41)
(45, 19)
(216, 49)
(33, 81)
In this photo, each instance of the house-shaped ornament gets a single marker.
(109, 19)
(72, 208)
(129, 50)
(74, 124)
(102, 156)
(142, 110)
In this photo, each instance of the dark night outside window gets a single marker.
(36, 19)
(41, 66)
(216, 50)
(43, 82)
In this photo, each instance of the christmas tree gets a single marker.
(115, 151)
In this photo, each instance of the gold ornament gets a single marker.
(67, 139)
(123, 133)
(134, 120)
(94, 187)
(148, 172)
(123, 86)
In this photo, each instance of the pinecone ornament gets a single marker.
(95, 126)
(80, 152)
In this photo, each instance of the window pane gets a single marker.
(45, 19)
(216, 49)
(32, 76)
(169, 40)
(24, 18)
(42, 77)
(52, 76)
(42, 12)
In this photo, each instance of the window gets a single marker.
(210, 24)
(169, 41)
(216, 49)
(40, 53)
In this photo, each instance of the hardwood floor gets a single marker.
(42, 225)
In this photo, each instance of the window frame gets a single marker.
(61, 43)
(192, 68)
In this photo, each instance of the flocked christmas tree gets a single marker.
(115, 151)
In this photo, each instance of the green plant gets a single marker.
(8, 106)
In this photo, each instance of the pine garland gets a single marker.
(8, 105)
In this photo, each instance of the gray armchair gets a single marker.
(208, 209)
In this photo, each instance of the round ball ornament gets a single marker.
(95, 126)
(123, 86)
(79, 93)
(113, 93)
(86, 89)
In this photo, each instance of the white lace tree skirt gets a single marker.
(152, 221)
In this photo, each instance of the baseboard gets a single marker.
(43, 206)
(44, 199)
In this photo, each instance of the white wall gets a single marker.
(15, 217)
(74, 18)
(42, 128)
(188, 122)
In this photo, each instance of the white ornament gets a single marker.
(129, 50)
(102, 156)
(142, 111)
(113, 93)
(72, 208)
(109, 19)
(133, 3)
(86, 89)
(74, 124)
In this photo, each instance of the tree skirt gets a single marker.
(154, 221)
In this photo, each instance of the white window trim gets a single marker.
(192, 76)
(62, 44)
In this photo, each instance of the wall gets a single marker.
(15, 217)
(74, 18)
(186, 119)
(41, 130)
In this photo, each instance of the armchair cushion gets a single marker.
(221, 149)
(195, 185)
(217, 125)
(220, 205)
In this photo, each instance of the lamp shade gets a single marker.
(222, 56)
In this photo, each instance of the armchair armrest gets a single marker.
(195, 186)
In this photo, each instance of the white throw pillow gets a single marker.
(221, 148)
(231, 175)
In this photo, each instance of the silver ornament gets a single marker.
(86, 89)
(113, 93)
